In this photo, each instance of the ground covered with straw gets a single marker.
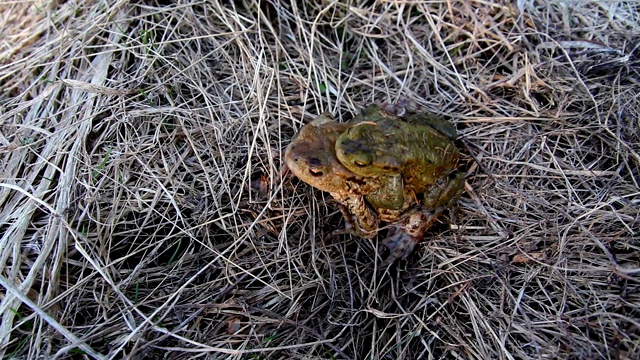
(145, 211)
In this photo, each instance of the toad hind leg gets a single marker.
(405, 235)
(446, 194)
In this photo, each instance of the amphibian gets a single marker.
(414, 158)
(311, 157)
(407, 154)
(389, 194)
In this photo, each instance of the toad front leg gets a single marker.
(391, 195)
(359, 218)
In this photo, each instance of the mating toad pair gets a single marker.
(384, 165)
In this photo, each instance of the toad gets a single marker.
(311, 157)
(374, 185)
(414, 154)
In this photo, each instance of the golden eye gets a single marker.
(315, 173)
(362, 160)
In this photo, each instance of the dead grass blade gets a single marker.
(145, 211)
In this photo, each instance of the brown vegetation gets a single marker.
(144, 211)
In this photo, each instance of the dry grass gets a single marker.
(144, 211)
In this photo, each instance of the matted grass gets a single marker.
(145, 213)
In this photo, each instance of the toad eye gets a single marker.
(314, 162)
(362, 160)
